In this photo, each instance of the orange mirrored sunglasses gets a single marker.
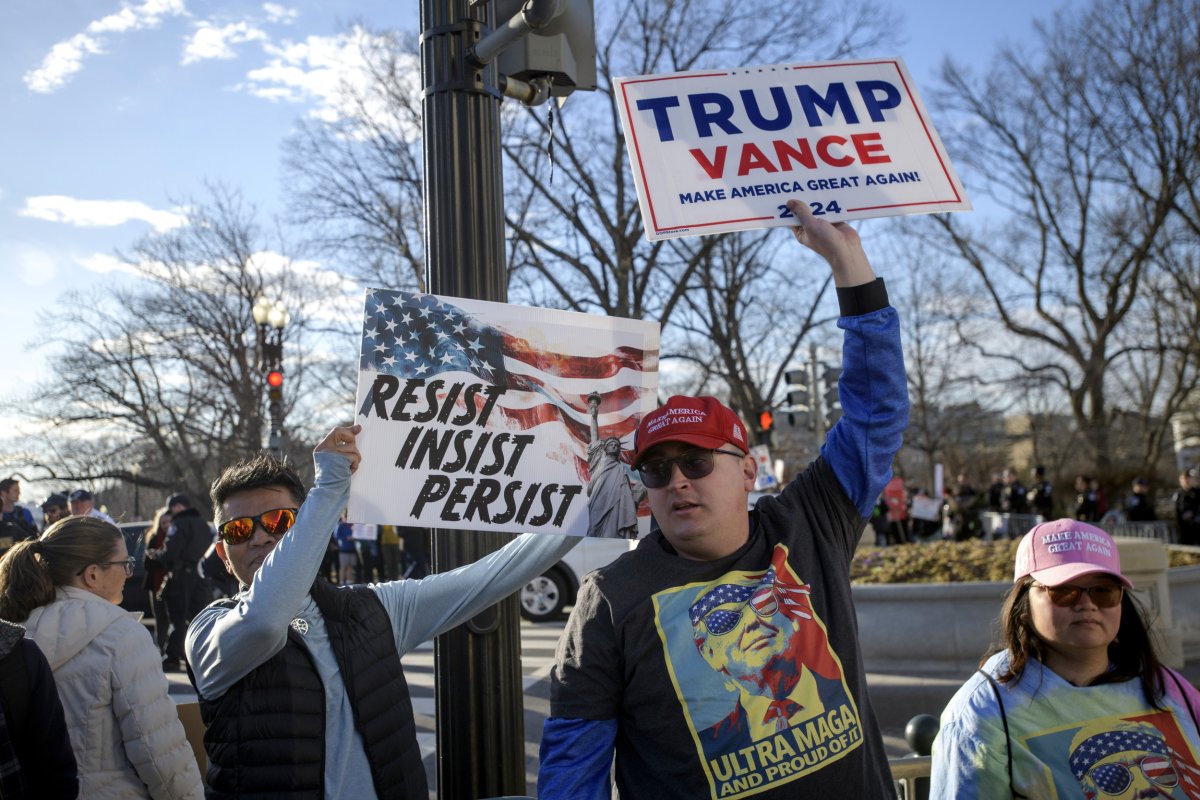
(276, 522)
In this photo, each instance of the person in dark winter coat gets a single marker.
(1140, 505)
(1187, 506)
(36, 760)
(184, 591)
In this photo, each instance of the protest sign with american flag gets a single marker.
(476, 415)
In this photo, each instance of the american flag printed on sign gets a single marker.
(547, 361)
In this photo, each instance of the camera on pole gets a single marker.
(542, 48)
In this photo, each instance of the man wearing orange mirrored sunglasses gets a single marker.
(300, 681)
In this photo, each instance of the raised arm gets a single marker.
(837, 243)
(225, 644)
(422, 609)
(873, 388)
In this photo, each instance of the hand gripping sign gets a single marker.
(724, 150)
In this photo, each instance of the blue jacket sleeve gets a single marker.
(576, 759)
(874, 396)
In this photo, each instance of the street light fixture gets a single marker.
(270, 318)
(135, 470)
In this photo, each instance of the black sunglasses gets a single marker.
(276, 522)
(694, 464)
(1104, 595)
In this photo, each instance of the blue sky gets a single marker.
(114, 109)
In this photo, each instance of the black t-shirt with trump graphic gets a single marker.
(740, 677)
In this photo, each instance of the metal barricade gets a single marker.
(906, 772)
(1162, 530)
(995, 525)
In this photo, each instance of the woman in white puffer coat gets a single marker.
(64, 588)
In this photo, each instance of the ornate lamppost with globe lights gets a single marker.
(270, 318)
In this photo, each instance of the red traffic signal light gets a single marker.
(274, 379)
(765, 419)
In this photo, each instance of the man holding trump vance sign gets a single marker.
(721, 150)
(721, 658)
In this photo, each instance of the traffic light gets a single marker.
(275, 395)
(829, 393)
(800, 398)
(562, 49)
(798, 395)
(763, 430)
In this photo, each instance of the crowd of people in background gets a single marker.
(368, 553)
(906, 512)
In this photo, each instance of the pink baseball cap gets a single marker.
(1056, 552)
(702, 421)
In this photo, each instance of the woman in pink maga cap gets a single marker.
(1075, 702)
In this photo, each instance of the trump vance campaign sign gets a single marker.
(724, 150)
(497, 417)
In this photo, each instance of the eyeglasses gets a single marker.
(276, 522)
(1104, 595)
(128, 563)
(1115, 778)
(694, 464)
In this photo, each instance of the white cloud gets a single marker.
(313, 69)
(104, 264)
(98, 213)
(212, 41)
(66, 57)
(328, 71)
(63, 61)
(280, 14)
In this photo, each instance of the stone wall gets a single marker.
(946, 628)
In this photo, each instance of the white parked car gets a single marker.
(544, 598)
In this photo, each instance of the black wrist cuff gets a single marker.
(854, 301)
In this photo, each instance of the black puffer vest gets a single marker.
(266, 735)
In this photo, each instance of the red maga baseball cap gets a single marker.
(1059, 551)
(702, 421)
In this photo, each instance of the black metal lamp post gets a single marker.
(480, 720)
(270, 318)
(135, 470)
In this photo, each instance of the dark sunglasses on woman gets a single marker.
(1104, 595)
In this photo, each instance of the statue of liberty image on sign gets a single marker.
(612, 499)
